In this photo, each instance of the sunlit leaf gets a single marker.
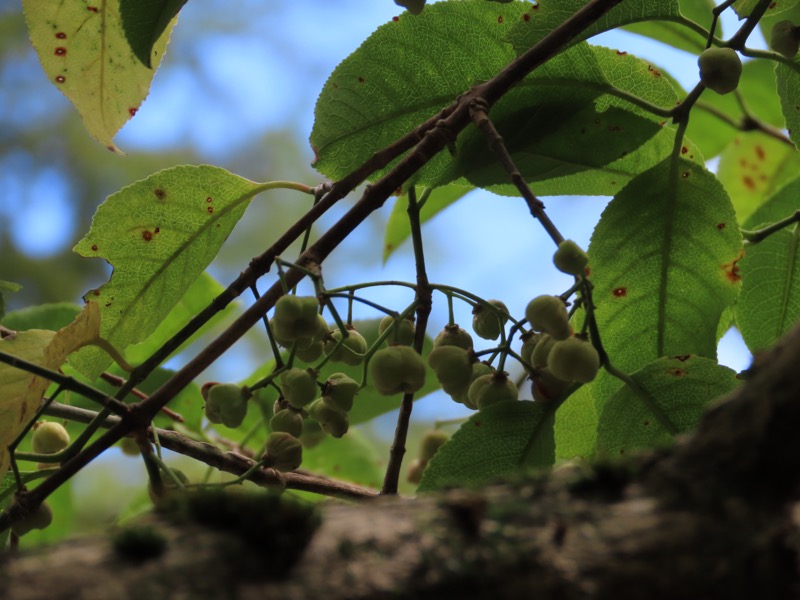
(575, 426)
(676, 34)
(770, 300)
(502, 439)
(159, 234)
(5, 287)
(789, 91)
(351, 458)
(743, 8)
(681, 387)
(20, 391)
(45, 316)
(753, 167)
(84, 52)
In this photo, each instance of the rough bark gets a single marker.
(712, 518)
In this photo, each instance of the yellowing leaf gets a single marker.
(20, 391)
(84, 52)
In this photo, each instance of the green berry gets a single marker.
(397, 369)
(720, 69)
(299, 386)
(402, 333)
(542, 351)
(39, 518)
(529, 341)
(413, 6)
(129, 447)
(431, 442)
(168, 486)
(340, 391)
(487, 390)
(785, 38)
(452, 366)
(311, 354)
(295, 317)
(574, 359)
(288, 421)
(453, 335)
(462, 395)
(415, 470)
(49, 438)
(284, 451)
(547, 387)
(350, 351)
(330, 418)
(549, 315)
(570, 258)
(486, 323)
(226, 403)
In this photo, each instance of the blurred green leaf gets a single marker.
(85, 54)
(770, 300)
(51, 316)
(159, 234)
(500, 440)
(352, 458)
(681, 387)
(6, 287)
(788, 78)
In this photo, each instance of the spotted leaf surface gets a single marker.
(159, 234)
(85, 53)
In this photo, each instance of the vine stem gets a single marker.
(451, 121)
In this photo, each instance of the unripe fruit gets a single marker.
(49, 438)
(549, 315)
(226, 403)
(720, 69)
(547, 387)
(40, 518)
(491, 389)
(295, 317)
(542, 351)
(486, 323)
(570, 258)
(415, 470)
(284, 452)
(574, 360)
(288, 421)
(403, 332)
(330, 419)
(340, 391)
(785, 38)
(311, 354)
(350, 351)
(397, 369)
(302, 343)
(452, 366)
(529, 341)
(413, 6)
(462, 396)
(453, 335)
(299, 386)
(129, 447)
(431, 442)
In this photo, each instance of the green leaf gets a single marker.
(575, 427)
(677, 34)
(545, 15)
(5, 287)
(145, 21)
(770, 300)
(743, 8)
(85, 54)
(681, 387)
(756, 86)
(351, 458)
(663, 262)
(753, 167)
(398, 228)
(159, 234)
(788, 78)
(500, 440)
(45, 316)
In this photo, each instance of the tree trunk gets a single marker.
(711, 518)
